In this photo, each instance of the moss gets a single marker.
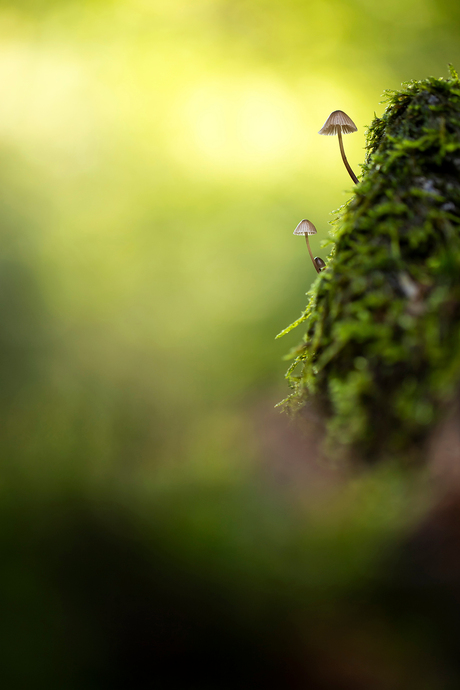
(381, 352)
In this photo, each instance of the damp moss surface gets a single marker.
(380, 357)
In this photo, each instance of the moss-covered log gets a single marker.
(381, 354)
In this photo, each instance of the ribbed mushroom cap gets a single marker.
(338, 121)
(305, 227)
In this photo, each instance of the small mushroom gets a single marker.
(319, 263)
(336, 123)
(306, 227)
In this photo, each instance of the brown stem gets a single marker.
(344, 158)
(311, 255)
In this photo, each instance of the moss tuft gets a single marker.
(381, 352)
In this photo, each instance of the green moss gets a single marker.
(381, 352)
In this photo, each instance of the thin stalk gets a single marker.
(344, 158)
(311, 255)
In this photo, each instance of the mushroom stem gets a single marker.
(344, 158)
(311, 255)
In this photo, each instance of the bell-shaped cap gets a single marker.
(305, 227)
(319, 263)
(338, 121)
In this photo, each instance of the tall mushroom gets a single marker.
(336, 123)
(306, 227)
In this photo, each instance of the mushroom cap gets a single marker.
(338, 121)
(319, 263)
(305, 227)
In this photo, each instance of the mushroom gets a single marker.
(306, 227)
(336, 123)
(319, 263)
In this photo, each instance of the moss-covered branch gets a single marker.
(381, 353)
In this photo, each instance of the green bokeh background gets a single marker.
(156, 156)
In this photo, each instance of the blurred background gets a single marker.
(156, 156)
